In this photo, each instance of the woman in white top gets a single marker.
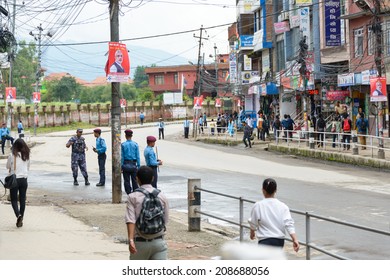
(271, 218)
(20, 152)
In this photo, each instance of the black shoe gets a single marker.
(99, 185)
(87, 183)
(75, 183)
(19, 221)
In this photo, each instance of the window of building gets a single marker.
(257, 20)
(176, 79)
(159, 80)
(358, 42)
(370, 41)
(280, 61)
(386, 38)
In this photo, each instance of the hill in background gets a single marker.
(87, 61)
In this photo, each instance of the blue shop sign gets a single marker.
(246, 41)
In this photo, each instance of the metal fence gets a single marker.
(195, 213)
(375, 147)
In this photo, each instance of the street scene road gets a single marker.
(351, 194)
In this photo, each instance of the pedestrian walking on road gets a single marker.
(142, 118)
(5, 135)
(100, 149)
(130, 162)
(271, 218)
(78, 156)
(161, 127)
(20, 127)
(247, 135)
(19, 164)
(151, 159)
(142, 245)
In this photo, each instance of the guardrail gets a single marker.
(336, 140)
(195, 212)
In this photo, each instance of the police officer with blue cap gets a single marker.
(100, 149)
(151, 158)
(130, 162)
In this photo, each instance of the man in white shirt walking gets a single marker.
(271, 218)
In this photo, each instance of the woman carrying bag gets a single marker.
(20, 167)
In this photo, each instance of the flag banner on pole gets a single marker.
(36, 97)
(118, 63)
(123, 103)
(10, 93)
(198, 102)
(378, 90)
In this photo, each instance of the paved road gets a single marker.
(352, 194)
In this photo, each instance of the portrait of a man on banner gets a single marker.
(378, 90)
(36, 97)
(10, 93)
(118, 63)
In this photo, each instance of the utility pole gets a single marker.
(115, 112)
(216, 70)
(37, 37)
(198, 81)
(377, 29)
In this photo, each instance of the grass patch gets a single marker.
(73, 126)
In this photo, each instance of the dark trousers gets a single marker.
(320, 138)
(3, 139)
(155, 176)
(334, 140)
(161, 133)
(129, 170)
(249, 141)
(141, 120)
(21, 189)
(346, 141)
(102, 168)
(277, 242)
(186, 132)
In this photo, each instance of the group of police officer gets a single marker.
(130, 158)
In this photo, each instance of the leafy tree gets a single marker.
(24, 69)
(66, 89)
(145, 94)
(140, 78)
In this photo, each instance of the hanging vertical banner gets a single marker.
(118, 63)
(123, 103)
(304, 24)
(233, 67)
(10, 93)
(378, 90)
(218, 102)
(332, 23)
(36, 97)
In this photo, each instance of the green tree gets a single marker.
(24, 69)
(65, 89)
(140, 78)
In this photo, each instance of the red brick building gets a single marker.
(170, 78)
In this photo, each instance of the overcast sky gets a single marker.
(87, 21)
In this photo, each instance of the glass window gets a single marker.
(358, 42)
(386, 38)
(159, 80)
(370, 42)
(176, 79)
(280, 56)
(257, 20)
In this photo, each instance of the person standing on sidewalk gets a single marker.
(346, 126)
(5, 135)
(271, 218)
(151, 159)
(100, 149)
(130, 162)
(78, 156)
(145, 246)
(19, 158)
(186, 128)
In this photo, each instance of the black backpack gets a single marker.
(151, 218)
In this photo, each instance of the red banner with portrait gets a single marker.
(118, 63)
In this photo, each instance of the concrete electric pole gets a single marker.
(115, 112)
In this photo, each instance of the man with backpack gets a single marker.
(346, 126)
(362, 124)
(146, 216)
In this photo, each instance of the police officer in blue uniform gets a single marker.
(78, 156)
(151, 159)
(100, 149)
(130, 162)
